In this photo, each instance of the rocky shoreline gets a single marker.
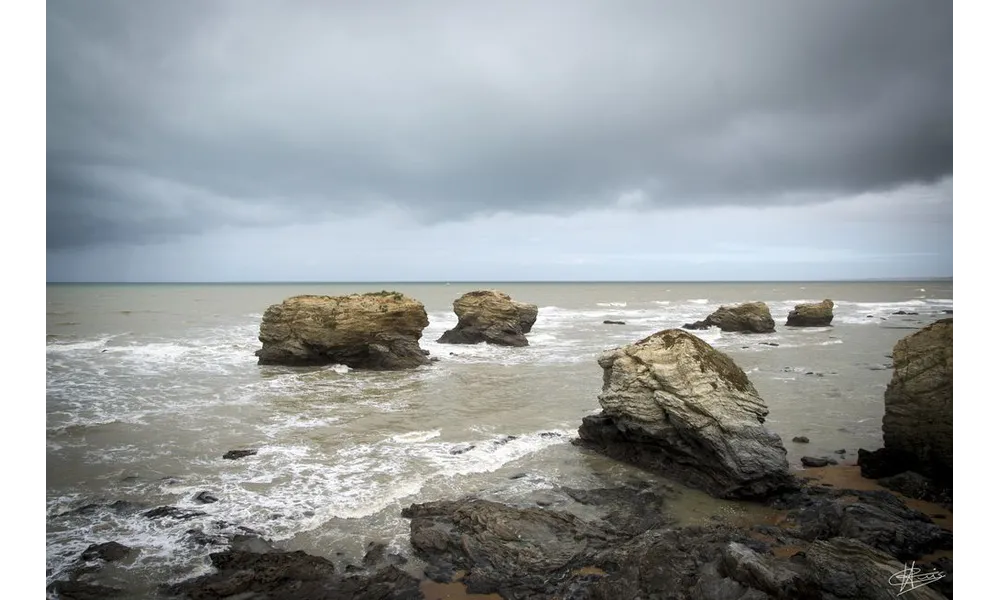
(671, 405)
(824, 541)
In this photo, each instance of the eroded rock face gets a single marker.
(675, 405)
(379, 331)
(819, 314)
(492, 317)
(751, 317)
(917, 426)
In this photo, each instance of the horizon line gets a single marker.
(506, 281)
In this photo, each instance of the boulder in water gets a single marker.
(819, 314)
(675, 405)
(492, 317)
(377, 331)
(751, 317)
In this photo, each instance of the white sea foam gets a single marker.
(699, 301)
(415, 436)
(615, 304)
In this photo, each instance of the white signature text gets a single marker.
(910, 578)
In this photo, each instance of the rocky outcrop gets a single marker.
(609, 543)
(834, 545)
(675, 405)
(752, 317)
(252, 568)
(492, 317)
(819, 314)
(378, 331)
(917, 426)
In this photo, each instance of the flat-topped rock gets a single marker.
(675, 405)
(377, 331)
(750, 317)
(819, 314)
(492, 317)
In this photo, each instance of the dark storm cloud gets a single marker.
(178, 117)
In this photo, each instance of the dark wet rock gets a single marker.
(205, 497)
(769, 344)
(492, 317)
(841, 451)
(377, 556)
(812, 461)
(614, 322)
(751, 317)
(869, 316)
(293, 576)
(462, 450)
(376, 331)
(514, 551)
(818, 314)
(504, 440)
(947, 311)
(675, 405)
(108, 552)
(848, 568)
(527, 552)
(518, 476)
(877, 518)
(546, 434)
(800, 439)
(628, 509)
(910, 484)
(903, 312)
(172, 512)
(121, 507)
(235, 454)
(82, 590)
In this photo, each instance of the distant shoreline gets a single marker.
(505, 282)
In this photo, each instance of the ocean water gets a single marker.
(147, 387)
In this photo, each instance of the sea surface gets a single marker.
(147, 386)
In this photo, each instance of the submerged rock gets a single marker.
(376, 331)
(675, 405)
(610, 322)
(237, 454)
(751, 317)
(108, 552)
(917, 426)
(819, 314)
(812, 461)
(492, 317)
(800, 439)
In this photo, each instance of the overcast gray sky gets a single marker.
(517, 140)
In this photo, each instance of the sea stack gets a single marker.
(819, 314)
(917, 426)
(376, 331)
(492, 317)
(675, 405)
(751, 317)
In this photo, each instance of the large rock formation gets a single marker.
(675, 405)
(379, 331)
(492, 317)
(917, 426)
(751, 317)
(819, 314)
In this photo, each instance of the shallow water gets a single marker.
(149, 385)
